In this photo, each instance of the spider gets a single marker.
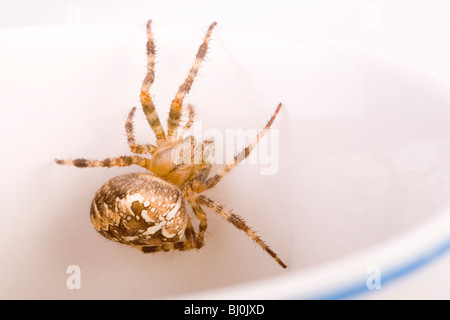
(147, 210)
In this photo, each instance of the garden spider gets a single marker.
(147, 210)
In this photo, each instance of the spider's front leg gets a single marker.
(189, 123)
(177, 103)
(147, 103)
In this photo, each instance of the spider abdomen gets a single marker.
(139, 209)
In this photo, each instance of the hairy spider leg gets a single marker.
(150, 148)
(122, 161)
(134, 147)
(177, 103)
(235, 220)
(147, 104)
(201, 216)
(211, 182)
(189, 123)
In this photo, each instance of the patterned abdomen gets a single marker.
(139, 209)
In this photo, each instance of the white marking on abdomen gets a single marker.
(147, 218)
(152, 229)
(166, 234)
(174, 210)
(128, 201)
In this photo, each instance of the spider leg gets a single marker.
(200, 177)
(208, 147)
(177, 103)
(201, 215)
(189, 123)
(134, 147)
(147, 104)
(122, 161)
(235, 220)
(211, 182)
(190, 237)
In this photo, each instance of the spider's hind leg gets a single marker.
(201, 215)
(236, 221)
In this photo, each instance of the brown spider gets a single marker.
(147, 210)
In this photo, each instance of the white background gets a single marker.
(411, 30)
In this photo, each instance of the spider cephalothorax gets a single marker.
(147, 210)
